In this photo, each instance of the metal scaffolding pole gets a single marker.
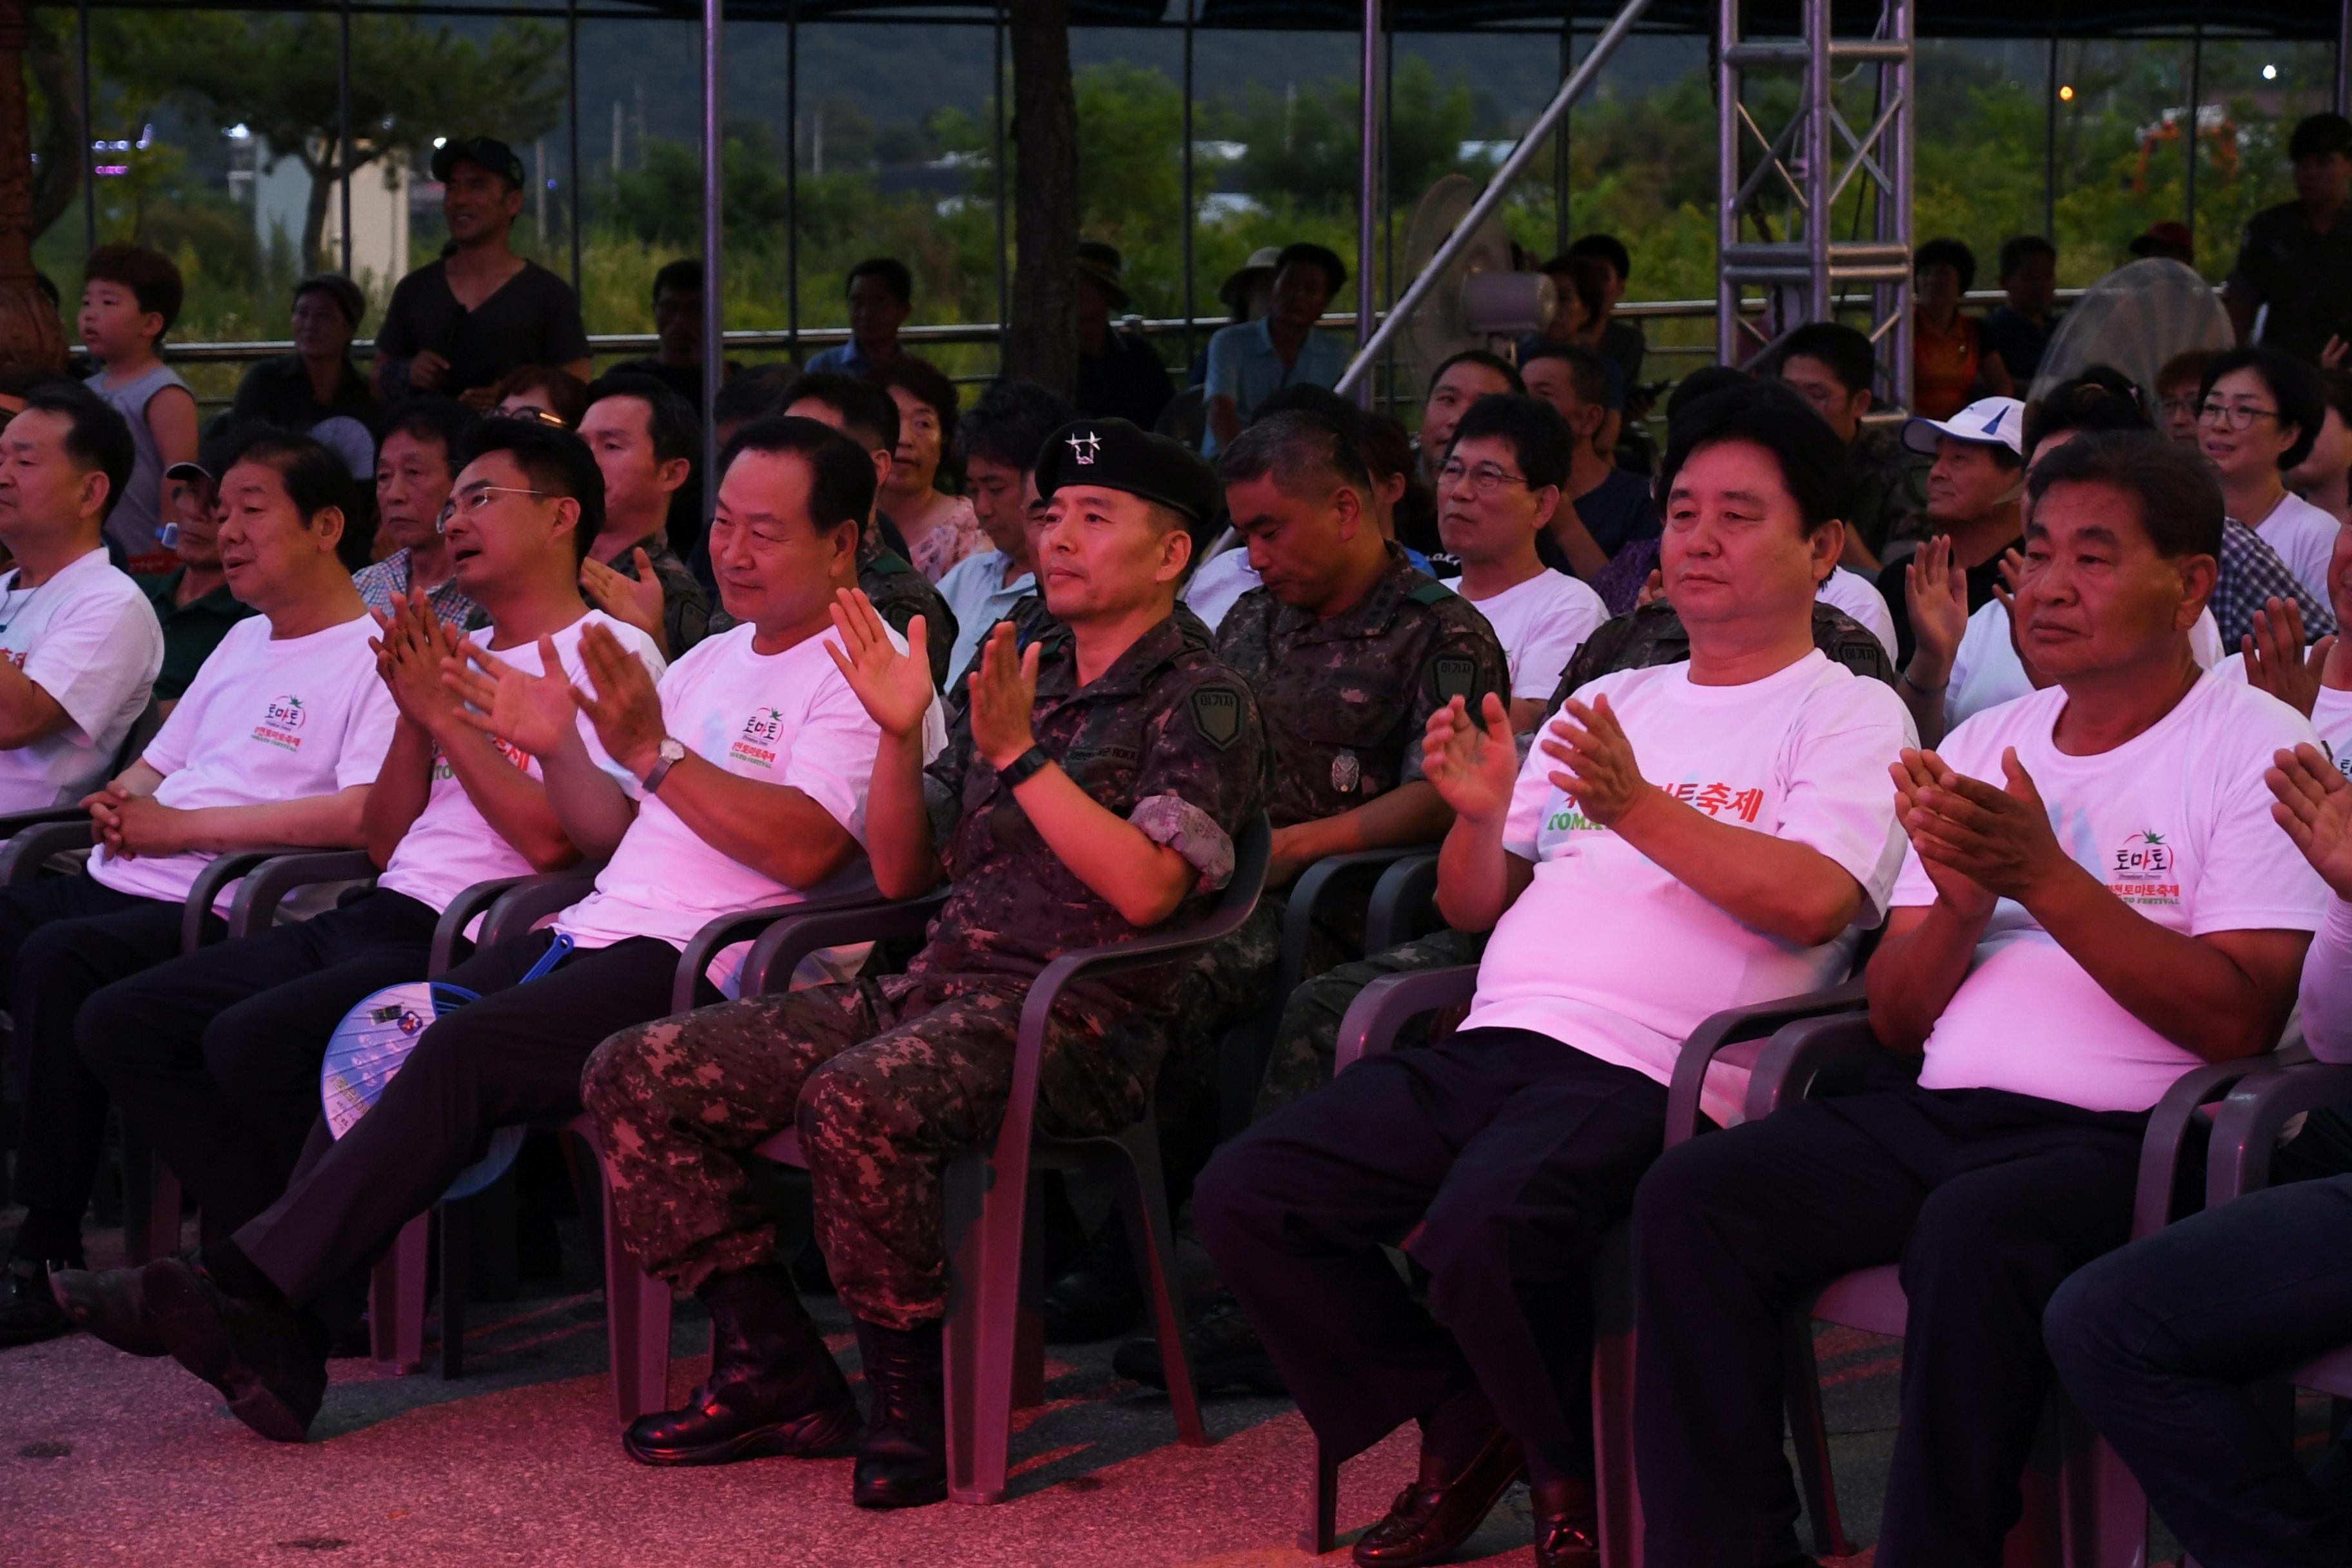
(1368, 192)
(571, 102)
(1803, 168)
(88, 138)
(791, 182)
(2196, 97)
(2050, 137)
(343, 125)
(1191, 205)
(2344, 58)
(1561, 233)
(1491, 197)
(1004, 220)
(714, 246)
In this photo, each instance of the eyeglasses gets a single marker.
(476, 497)
(2171, 406)
(2234, 415)
(535, 414)
(1486, 478)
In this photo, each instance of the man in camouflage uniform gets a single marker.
(1833, 366)
(1349, 649)
(1092, 790)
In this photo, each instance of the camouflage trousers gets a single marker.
(1305, 1043)
(884, 1079)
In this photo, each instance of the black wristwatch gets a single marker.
(1025, 767)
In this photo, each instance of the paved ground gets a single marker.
(108, 1459)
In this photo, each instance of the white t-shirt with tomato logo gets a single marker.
(783, 718)
(2177, 823)
(1607, 951)
(89, 637)
(450, 846)
(265, 719)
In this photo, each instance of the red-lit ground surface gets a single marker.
(104, 1459)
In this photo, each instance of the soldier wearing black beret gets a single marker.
(1092, 788)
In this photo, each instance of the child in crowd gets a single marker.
(130, 298)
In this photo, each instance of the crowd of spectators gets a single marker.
(2025, 712)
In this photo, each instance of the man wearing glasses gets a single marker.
(743, 776)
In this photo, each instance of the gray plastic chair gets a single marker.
(1734, 1038)
(2091, 1513)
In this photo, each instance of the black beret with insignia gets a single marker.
(1118, 456)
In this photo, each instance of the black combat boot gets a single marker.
(903, 1462)
(1099, 1296)
(774, 1387)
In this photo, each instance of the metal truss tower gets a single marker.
(1812, 212)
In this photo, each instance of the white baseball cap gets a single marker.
(1989, 421)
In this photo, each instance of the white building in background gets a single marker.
(281, 195)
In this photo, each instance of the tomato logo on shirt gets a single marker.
(756, 742)
(281, 718)
(2145, 870)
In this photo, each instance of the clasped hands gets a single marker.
(1978, 842)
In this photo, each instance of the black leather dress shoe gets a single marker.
(774, 1387)
(29, 1313)
(903, 1463)
(1568, 1524)
(1432, 1517)
(267, 1360)
(1222, 1349)
(1099, 1296)
(109, 1304)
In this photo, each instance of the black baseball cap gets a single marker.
(1118, 456)
(483, 152)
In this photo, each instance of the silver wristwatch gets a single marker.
(672, 752)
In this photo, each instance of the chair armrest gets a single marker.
(796, 931)
(29, 849)
(211, 882)
(2247, 1126)
(1370, 1025)
(266, 887)
(2169, 1123)
(1738, 1026)
(15, 822)
(508, 906)
(727, 930)
(1796, 1054)
(1308, 891)
(1404, 890)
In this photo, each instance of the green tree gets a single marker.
(279, 77)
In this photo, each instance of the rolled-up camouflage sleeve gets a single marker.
(1203, 770)
(1464, 659)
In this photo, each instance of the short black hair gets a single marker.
(561, 393)
(1607, 248)
(149, 275)
(1296, 447)
(97, 434)
(866, 411)
(2186, 367)
(1010, 423)
(2317, 135)
(1322, 256)
(841, 472)
(1586, 274)
(2082, 404)
(1487, 357)
(2179, 496)
(756, 393)
(2294, 387)
(1539, 437)
(1386, 445)
(2017, 251)
(893, 273)
(1588, 371)
(929, 385)
(1768, 415)
(314, 477)
(677, 432)
(683, 275)
(346, 295)
(558, 463)
(1951, 253)
(1703, 383)
(1843, 349)
(442, 419)
(20, 380)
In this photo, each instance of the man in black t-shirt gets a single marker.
(455, 326)
(678, 319)
(2295, 256)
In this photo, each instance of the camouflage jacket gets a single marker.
(1886, 487)
(1346, 699)
(1167, 738)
